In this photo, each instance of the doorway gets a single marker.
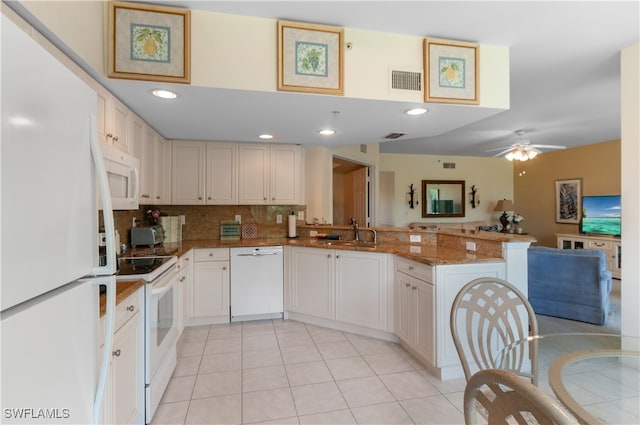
(352, 183)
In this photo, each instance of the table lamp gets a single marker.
(504, 205)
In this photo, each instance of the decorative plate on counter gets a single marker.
(249, 231)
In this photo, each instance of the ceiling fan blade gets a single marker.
(502, 148)
(549, 146)
(504, 152)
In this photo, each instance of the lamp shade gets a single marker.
(504, 205)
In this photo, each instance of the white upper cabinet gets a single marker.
(113, 121)
(188, 176)
(268, 174)
(221, 177)
(217, 173)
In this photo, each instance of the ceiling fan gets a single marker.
(523, 150)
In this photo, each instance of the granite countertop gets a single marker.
(124, 288)
(427, 254)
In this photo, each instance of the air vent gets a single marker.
(448, 165)
(406, 80)
(392, 136)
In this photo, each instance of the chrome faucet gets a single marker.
(356, 229)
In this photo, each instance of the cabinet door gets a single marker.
(188, 166)
(161, 170)
(284, 181)
(424, 319)
(128, 378)
(222, 173)
(312, 290)
(210, 295)
(253, 174)
(146, 166)
(101, 117)
(361, 289)
(404, 309)
(119, 125)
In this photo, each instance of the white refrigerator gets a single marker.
(51, 367)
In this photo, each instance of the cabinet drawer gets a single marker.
(124, 311)
(211, 254)
(412, 268)
(185, 260)
(602, 245)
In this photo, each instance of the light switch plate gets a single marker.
(313, 233)
(279, 219)
(300, 215)
(239, 218)
(415, 249)
(415, 238)
(471, 246)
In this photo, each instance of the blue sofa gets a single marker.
(569, 283)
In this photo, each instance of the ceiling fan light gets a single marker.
(509, 156)
(532, 154)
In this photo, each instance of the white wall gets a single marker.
(630, 147)
(493, 178)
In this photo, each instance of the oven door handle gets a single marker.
(160, 290)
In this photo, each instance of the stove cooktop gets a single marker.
(146, 268)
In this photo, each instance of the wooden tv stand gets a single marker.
(610, 245)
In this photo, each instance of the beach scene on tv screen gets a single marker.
(601, 215)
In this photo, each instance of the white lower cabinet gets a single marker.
(424, 295)
(349, 287)
(185, 265)
(123, 401)
(312, 284)
(415, 315)
(210, 287)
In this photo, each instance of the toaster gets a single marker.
(147, 235)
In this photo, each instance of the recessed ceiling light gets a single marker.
(164, 94)
(266, 136)
(327, 132)
(416, 111)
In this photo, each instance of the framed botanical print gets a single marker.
(149, 42)
(310, 58)
(568, 201)
(451, 71)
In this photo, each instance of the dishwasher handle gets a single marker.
(257, 254)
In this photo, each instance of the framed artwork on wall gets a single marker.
(568, 201)
(149, 42)
(451, 72)
(310, 58)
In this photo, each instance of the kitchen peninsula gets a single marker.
(388, 289)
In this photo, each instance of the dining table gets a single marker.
(596, 376)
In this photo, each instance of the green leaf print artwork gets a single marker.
(311, 59)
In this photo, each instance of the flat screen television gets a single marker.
(601, 215)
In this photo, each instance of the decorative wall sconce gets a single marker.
(410, 197)
(474, 197)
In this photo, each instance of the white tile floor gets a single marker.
(287, 372)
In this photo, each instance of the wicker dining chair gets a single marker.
(488, 314)
(501, 397)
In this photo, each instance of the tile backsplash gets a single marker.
(203, 221)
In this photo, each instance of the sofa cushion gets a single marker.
(569, 283)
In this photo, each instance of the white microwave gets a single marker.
(123, 178)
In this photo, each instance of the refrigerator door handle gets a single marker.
(109, 320)
(105, 196)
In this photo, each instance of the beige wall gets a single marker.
(493, 178)
(598, 166)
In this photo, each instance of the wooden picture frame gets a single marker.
(149, 42)
(451, 72)
(568, 201)
(310, 58)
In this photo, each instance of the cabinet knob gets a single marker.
(410, 267)
(224, 268)
(264, 199)
(337, 256)
(117, 353)
(182, 279)
(158, 197)
(328, 255)
(131, 308)
(407, 285)
(200, 198)
(115, 139)
(273, 199)
(144, 195)
(211, 254)
(414, 287)
(109, 135)
(209, 198)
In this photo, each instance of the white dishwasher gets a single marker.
(257, 283)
